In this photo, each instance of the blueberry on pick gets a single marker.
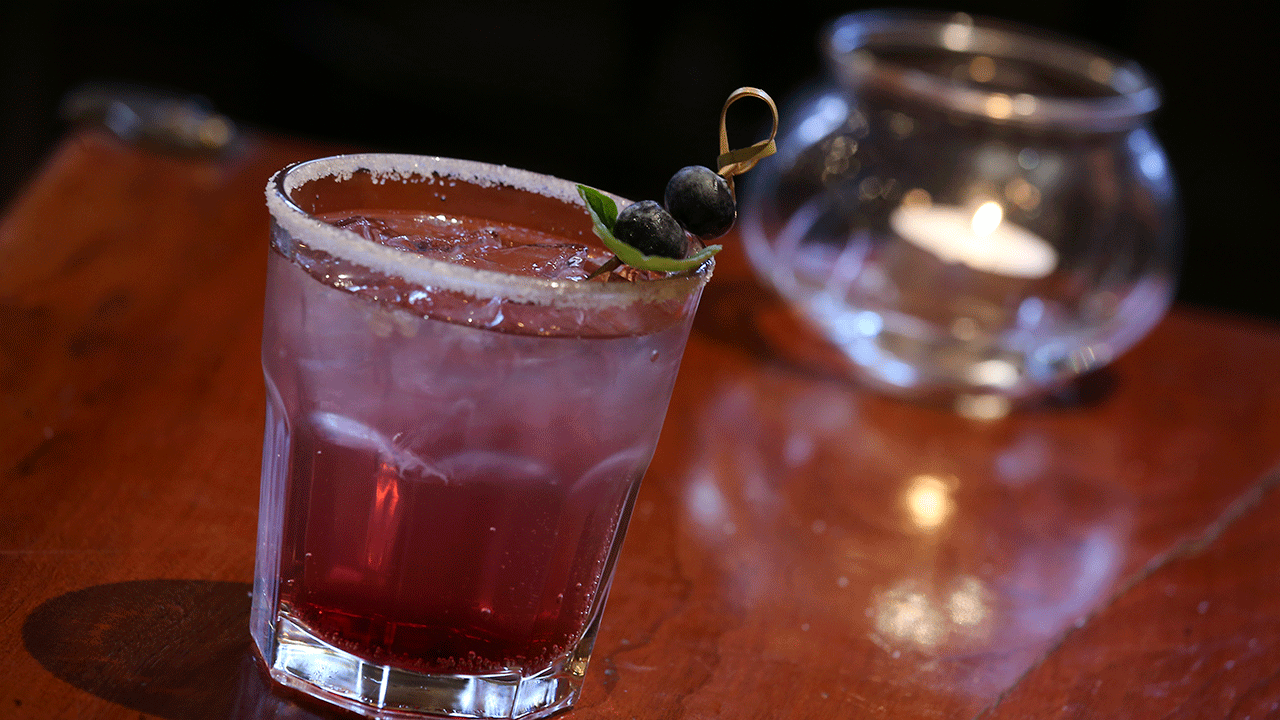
(651, 230)
(700, 200)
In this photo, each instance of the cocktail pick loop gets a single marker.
(729, 163)
(736, 162)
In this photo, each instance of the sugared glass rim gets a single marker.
(852, 39)
(442, 275)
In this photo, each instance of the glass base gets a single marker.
(304, 662)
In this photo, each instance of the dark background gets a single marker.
(620, 95)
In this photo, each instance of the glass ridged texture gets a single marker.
(452, 451)
(968, 208)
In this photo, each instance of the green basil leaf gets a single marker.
(604, 213)
(657, 263)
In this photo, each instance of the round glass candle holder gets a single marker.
(967, 207)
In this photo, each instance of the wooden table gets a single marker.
(800, 548)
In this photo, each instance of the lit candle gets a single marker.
(980, 239)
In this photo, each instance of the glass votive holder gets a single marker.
(968, 208)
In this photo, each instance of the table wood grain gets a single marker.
(800, 548)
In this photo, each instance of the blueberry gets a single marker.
(651, 230)
(700, 200)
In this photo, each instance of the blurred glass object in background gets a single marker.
(973, 211)
(163, 120)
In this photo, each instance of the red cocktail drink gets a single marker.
(457, 426)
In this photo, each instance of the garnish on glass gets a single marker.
(698, 203)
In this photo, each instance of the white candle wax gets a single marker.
(978, 238)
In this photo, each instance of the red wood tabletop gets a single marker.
(800, 548)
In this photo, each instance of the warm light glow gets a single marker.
(1024, 104)
(1100, 71)
(215, 132)
(1023, 194)
(982, 69)
(707, 504)
(908, 612)
(995, 372)
(908, 615)
(917, 196)
(901, 125)
(998, 106)
(979, 238)
(985, 407)
(967, 604)
(987, 218)
(958, 34)
(928, 501)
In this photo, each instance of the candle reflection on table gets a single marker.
(935, 545)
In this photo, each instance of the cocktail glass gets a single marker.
(454, 440)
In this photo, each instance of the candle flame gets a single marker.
(987, 218)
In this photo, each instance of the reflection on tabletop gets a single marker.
(967, 550)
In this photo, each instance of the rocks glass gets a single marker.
(453, 447)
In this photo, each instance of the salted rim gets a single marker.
(440, 274)
(851, 41)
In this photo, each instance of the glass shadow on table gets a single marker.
(176, 649)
